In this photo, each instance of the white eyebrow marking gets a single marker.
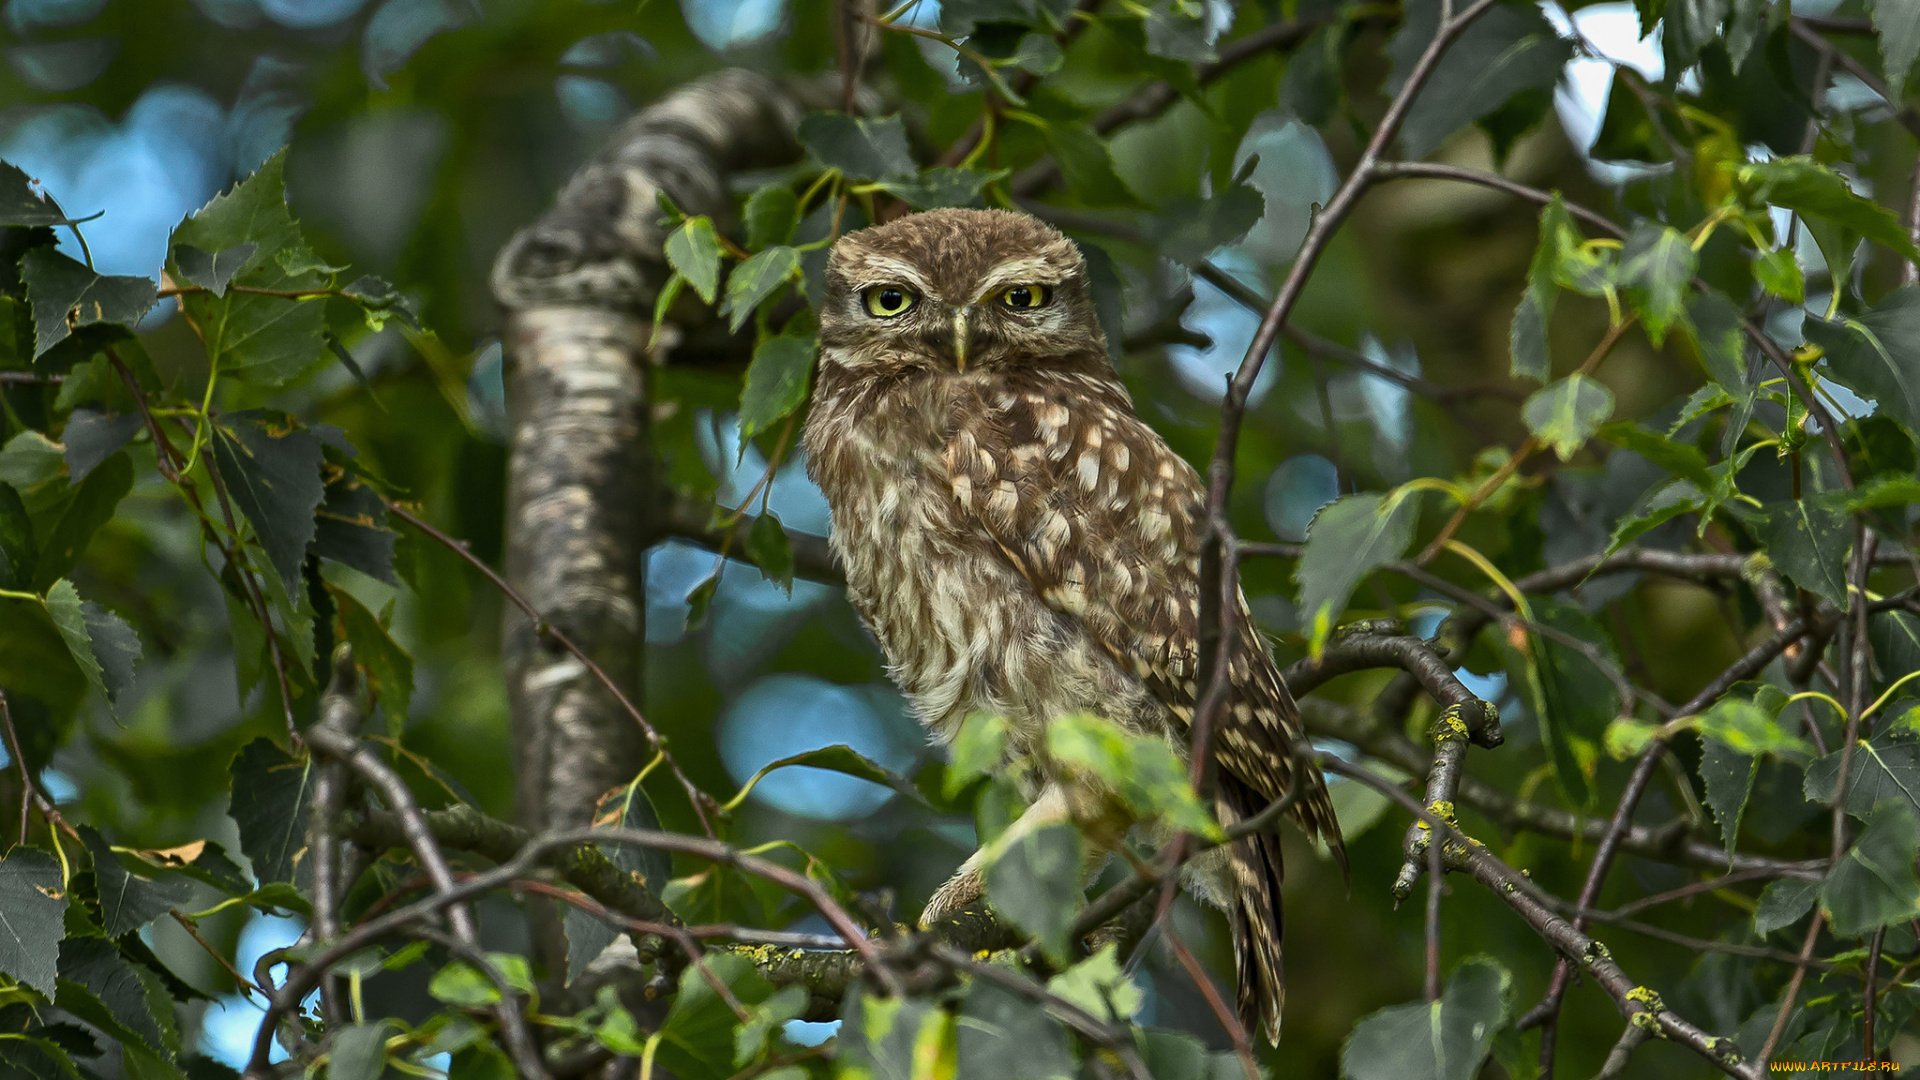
(880, 270)
(1026, 270)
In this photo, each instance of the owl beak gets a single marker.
(962, 335)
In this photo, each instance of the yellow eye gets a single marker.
(886, 301)
(1027, 297)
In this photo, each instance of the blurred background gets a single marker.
(424, 132)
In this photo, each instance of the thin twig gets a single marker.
(1793, 992)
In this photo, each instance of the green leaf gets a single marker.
(1506, 51)
(97, 985)
(1658, 508)
(66, 295)
(976, 750)
(890, 1038)
(1189, 230)
(128, 902)
(1099, 985)
(697, 1038)
(750, 1039)
(20, 204)
(1713, 325)
(1683, 460)
(838, 758)
(1874, 884)
(1035, 881)
(861, 148)
(359, 1052)
(1804, 185)
(465, 986)
(1748, 729)
(771, 215)
(1883, 770)
(272, 798)
(271, 467)
(17, 551)
(1895, 637)
(768, 547)
(1565, 414)
(1086, 164)
(93, 506)
(1729, 778)
(756, 279)
(1142, 769)
(1807, 541)
(29, 1058)
(1433, 1040)
(32, 912)
(101, 643)
(212, 272)
(1779, 273)
(1528, 338)
(776, 379)
(202, 860)
(1001, 1033)
(942, 186)
(263, 339)
(389, 668)
(1782, 903)
(694, 250)
(1898, 22)
(1878, 354)
(1350, 538)
(1657, 265)
(351, 528)
(91, 437)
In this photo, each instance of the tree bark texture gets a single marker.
(579, 287)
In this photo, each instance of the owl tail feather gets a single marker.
(1257, 921)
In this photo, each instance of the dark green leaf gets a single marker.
(1783, 903)
(1086, 165)
(93, 506)
(1665, 504)
(19, 204)
(129, 902)
(1878, 354)
(92, 437)
(1808, 542)
(389, 669)
(1805, 185)
(756, 279)
(1036, 883)
(97, 985)
(842, 759)
(32, 910)
(862, 148)
(787, 1003)
(587, 938)
(17, 551)
(942, 186)
(102, 644)
(694, 250)
(1729, 778)
(263, 339)
(204, 861)
(26, 1058)
(771, 215)
(1714, 325)
(1188, 230)
(777, 378)
(1898, 22)
(1656, 266)
(351, 528)
(1348, 539)
(1874, 884)
(1437, 1040)
(271, 467)
(1509, 49)
(890, 1038)
(212, 272)
(697, 1039)
(359, 1052)
(768, 547)
(1883, 770)
(1683, 460)
(272, 797)
(1002, 1034)
(66, 296)
(1565, 414)
(1528, 338)
(1895, 637)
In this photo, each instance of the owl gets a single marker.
(1021, 543)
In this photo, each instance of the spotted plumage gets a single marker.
(1020, 542)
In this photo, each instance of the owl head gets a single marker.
(959, 291)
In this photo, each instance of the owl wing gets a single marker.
(1103, 520)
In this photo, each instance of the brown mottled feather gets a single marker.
(1021, 542)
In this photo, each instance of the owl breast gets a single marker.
(961, 629)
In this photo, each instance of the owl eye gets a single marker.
(886, 301)
(1027, 297)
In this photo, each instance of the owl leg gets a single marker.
(968, 883)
